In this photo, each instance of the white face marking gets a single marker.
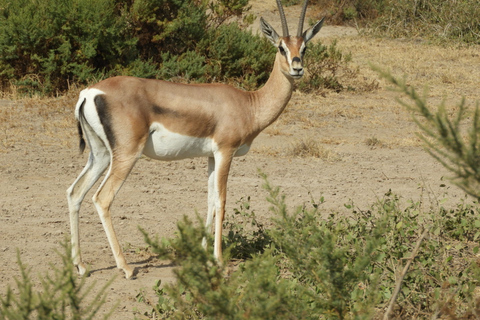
(286, 50)
(163, 144)
(302, 49)
(295, 67)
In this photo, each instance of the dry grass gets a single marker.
(412, 141)
(311, 147)
(39, 121)
(374, 142)
(268, 151)
(445, 70)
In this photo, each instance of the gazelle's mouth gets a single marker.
(296, 74)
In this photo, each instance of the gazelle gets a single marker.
(125, 117)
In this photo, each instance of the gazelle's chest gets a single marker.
(163, 144)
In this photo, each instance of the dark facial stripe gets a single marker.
(105, 118)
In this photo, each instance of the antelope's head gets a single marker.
(291, 48)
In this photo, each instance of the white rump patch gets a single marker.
(88, 95)
(90, 112)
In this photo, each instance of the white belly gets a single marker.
(166, 145)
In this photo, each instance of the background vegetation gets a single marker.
(435, 20)
(63, 294)
(340, 267)
(47, 46)
(310, 266)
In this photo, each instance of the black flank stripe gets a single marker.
(105, 118)
(164, 111)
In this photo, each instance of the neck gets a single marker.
(273, 97)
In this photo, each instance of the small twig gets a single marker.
(398, 285)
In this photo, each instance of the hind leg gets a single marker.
(97, 163)
(103, 198)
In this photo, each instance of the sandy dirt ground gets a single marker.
(369, 142)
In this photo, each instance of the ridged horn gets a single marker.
(282, 18)
(302, 19)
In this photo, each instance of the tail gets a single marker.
(79, 126)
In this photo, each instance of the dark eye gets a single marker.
(282, 51)
(303, 51)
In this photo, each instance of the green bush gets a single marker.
(225, 54)
(189, 66)
(173, 26)
(324, 63)
(47, 45)
(305, 273)
(238, 55)
(332, 268)
(317, 265)
(62, 296)
(246, 235)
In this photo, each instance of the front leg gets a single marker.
(223, 161)
(211, 199)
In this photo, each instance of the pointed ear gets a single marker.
(268, 31)
(311, 32)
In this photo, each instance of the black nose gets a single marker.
(297, 65)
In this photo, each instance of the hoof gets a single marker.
(129, 273)
(81, 269)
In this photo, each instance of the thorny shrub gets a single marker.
(328, 266)
(63, 295)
